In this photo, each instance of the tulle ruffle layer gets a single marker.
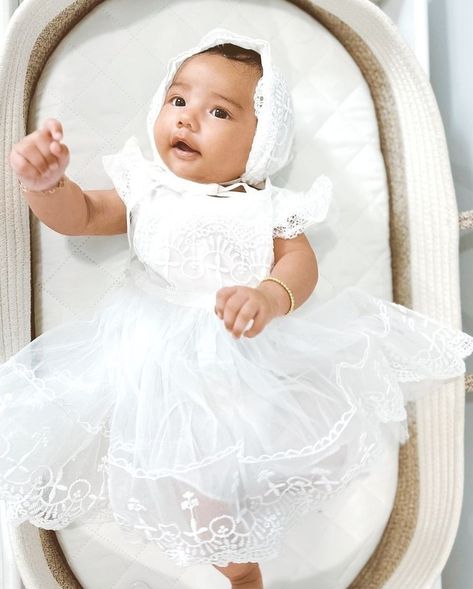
(153, 415)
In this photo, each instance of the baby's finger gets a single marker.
(55, 155)
(259, 322)
(22, 166)
(62, 153)
(221, 298)
(245, 315)
(59, 156)
(33, 156)
(42, 140)
(232, 308)
(248, 326)
(54, 127)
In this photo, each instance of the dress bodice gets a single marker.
(188, 239)
(187, 245)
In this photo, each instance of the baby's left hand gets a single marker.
(238, 305)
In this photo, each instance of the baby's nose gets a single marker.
(186, 119)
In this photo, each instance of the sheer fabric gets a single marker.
(208, 446)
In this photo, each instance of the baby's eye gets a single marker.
(178, 101)
(220, 113)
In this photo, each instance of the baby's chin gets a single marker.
(193, 172)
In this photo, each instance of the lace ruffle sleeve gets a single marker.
(294, 212)
(125, 169)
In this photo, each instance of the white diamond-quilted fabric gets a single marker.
(98, 83)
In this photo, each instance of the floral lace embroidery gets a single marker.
(41, 496)
(239, 253)
(46, 394)
(257, 532)
(441, 357)
(294, 212)
(272, 147)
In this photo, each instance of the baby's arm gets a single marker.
(40, 160)
(295, 264)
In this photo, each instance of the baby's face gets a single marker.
(206, 126)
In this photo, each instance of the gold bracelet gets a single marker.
(287, 289)
(60, 184)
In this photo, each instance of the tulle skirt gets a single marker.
(152, 415)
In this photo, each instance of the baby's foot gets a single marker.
(243, 575)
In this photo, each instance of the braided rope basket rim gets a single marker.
(465, 220)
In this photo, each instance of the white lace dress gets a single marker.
(153, 415)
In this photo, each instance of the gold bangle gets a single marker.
(287, 289)
(60, 184)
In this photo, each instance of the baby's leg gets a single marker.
(245, 575)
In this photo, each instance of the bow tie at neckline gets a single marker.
(226, 191)
(163, 177)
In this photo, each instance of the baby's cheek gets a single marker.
(162, 146)
(159, 132)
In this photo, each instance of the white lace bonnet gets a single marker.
(272, 144)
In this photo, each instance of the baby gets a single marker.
(204, 133)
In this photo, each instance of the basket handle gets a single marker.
(465, 220)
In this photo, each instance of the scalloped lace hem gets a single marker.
(255, 534)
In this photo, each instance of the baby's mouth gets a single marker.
(182, 146)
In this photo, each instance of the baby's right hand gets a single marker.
(39, 160)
